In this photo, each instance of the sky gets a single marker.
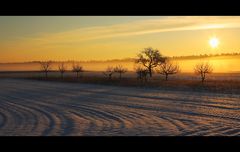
(34, 38)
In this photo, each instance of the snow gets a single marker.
(37, 108)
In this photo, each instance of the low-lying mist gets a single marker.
(221, 64)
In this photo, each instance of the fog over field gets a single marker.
(221, 64)
(119, 76)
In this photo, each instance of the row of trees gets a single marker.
(111, 70)
(150, 59)
(46, 67)
(147, 61)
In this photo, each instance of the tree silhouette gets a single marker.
(202, 69)
(77, 68)
(168, 68)
(46, 67)
(141, 73)
(109, 72)
(119, 69)
(150, 58)
(62, 69)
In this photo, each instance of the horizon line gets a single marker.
(129, 58)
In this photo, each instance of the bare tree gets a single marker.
(202, 69)
(109, 72)
(168, 68)
(62, 69)
(141, 73)
(77, 68)
(120, 69)
(46, 67)
(150, 58)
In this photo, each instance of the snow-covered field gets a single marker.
(29, 107)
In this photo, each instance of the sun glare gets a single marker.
(214, 42)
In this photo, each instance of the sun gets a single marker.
(214, 42)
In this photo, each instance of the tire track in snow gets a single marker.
(30, 107)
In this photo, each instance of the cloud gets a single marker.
(86, 42)
(135, 28)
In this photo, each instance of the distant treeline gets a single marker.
(205, 55)
(133, 59)
(72, 61)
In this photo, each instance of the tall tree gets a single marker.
(168, 68)
(150, 58)
(202, 69)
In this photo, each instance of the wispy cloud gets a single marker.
(134, 28)
(86, 42)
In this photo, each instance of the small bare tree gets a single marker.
(46, 67)
(150, 58)
(202, 69)
(120, 69)
(142, 73)
(62, 69)
(77, 68)
(109, 72)
(168, 68)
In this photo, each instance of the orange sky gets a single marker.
(101, 38)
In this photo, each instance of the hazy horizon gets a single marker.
(121, 76)
(221, 64)
(186, 57)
